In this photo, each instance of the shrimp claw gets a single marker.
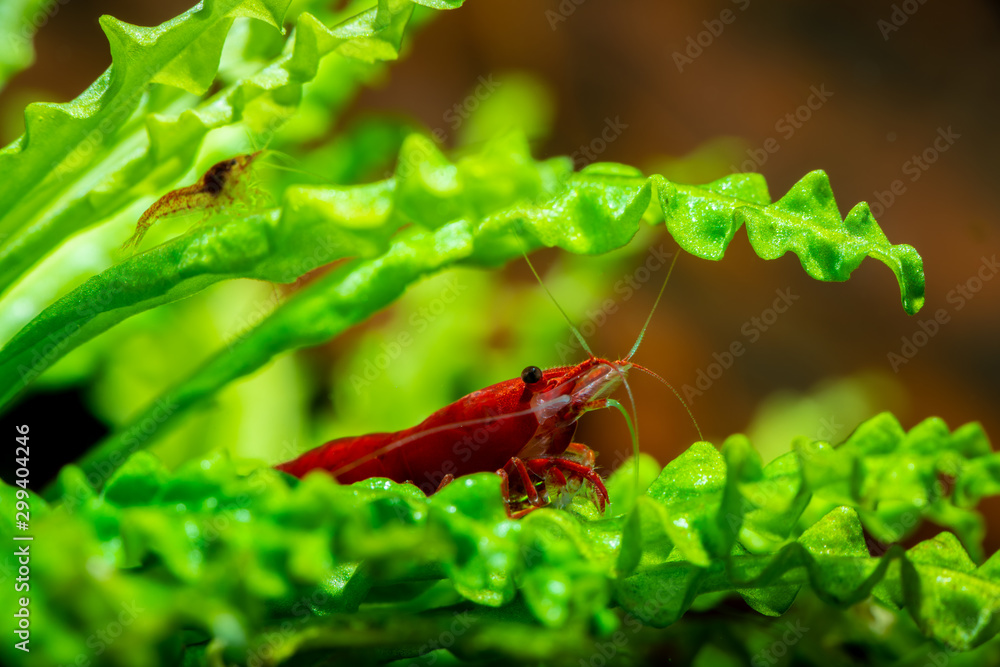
(553, 468)
(558, 473)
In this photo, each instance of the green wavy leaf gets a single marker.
(345, 567)
(831, 248)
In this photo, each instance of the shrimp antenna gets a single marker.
(281, 167)
(633, 428)
(576, 332)
(252, 139)
(635, 347)
(676, 393)
(266, 152)
(274, 152)
(649, 318)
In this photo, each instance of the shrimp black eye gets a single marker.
(531, 375)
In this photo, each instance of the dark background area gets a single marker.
(893, 90)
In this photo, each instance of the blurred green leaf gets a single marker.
(19, 21)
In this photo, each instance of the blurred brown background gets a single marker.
(896, 75)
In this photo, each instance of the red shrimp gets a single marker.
(521, 428)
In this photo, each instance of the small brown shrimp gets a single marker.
(222, 186)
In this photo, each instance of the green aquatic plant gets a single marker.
(211, 559)
(224, 562)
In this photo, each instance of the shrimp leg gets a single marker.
(558, 472)
(524, 476)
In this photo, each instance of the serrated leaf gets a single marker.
(828, 247)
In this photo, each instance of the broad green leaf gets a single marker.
(894, 477)
(690, 488)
